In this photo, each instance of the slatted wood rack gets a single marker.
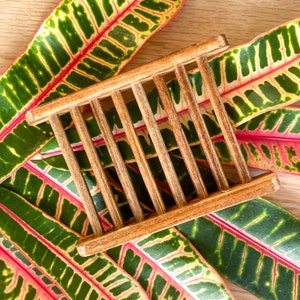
(164, 217)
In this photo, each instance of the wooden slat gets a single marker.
(260, 186)
(98, 170)
(223, 120)
(117, 160)
(201, 129)
(138, 152)
(76, 174)
(180, 137)
(159, 144)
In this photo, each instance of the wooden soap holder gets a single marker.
(164, 217)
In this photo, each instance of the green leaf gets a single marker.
(21, 279)
(168, 266)
(53, 192)
(47, 245)
(80, 43)
(254, 244)
(269, 141)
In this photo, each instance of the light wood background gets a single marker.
(239, 20)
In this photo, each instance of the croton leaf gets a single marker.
(80, 43)
(253, 79)
(48, 249)
(255, 244)
(169, 267)
(269, 141)
(22, 279)
(53, 192)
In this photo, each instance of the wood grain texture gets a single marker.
(75, 171)
(223, 120)
(241, 21)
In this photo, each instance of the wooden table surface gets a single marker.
(239, 20)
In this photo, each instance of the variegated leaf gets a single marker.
(256, 244)
(269, 141)
(22, 279)
(49, 246)
(52, 191)
(272, 140)
(168, 267)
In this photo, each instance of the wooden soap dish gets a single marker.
(164, 217)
